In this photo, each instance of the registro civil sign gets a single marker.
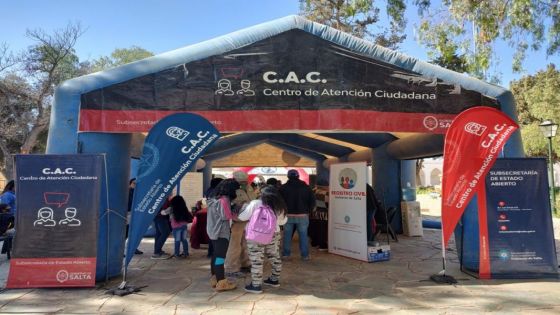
(347, 210)
(56, 221)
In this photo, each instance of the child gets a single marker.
(218, 228)
(180, 217)
(269, 197)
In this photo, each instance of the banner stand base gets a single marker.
(443, 279)
(124, 289)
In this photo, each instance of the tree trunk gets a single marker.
(419, 167)
(31, 139)
(8, 161)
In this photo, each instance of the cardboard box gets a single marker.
(379, 253)
(411, 218)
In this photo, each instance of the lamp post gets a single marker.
(548, 129)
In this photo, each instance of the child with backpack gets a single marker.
(218, 228)
(180, 216)
(265, 216)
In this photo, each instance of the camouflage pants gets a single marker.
(256, 255)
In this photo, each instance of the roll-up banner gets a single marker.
(347, 210)
(520, 232)
(55, 244)
(171, 148)
(472, 144)
(291, 81)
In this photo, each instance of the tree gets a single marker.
(119, 57)
(472, 29)
(358, 17)
(27, 84)
(537, 100)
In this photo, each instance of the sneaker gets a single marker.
(285, 257)
(253, 289)
(138, 252)
(225, 285)
(272, 283)
(160, 256)
(306, 258)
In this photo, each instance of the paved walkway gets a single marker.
(327, 284)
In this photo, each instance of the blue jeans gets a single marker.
(301, 224)
(161, 223)
(180, 236)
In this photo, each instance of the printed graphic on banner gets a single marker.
(519, 220)
(347, 210)
(58, 205)
(472, 144)
(269, 85)
(171, 148)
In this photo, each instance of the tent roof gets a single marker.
(262, 31)
(241, 38)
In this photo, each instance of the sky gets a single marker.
(164, 25)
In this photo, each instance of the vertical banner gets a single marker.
(519, 220)
(58, 203)
(171, 149)
(472, 144)
(347, 210)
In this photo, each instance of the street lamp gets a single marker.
(548, 129)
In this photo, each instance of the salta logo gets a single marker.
(62, 276)
(475, 128)
(177, 133)
(504, 254)
(430, 122)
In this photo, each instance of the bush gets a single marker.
(425, 190)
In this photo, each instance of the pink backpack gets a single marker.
(261, 226)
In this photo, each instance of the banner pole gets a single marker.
(108, 221)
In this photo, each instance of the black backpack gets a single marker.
(6, 222)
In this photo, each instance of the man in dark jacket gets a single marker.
(300, 201)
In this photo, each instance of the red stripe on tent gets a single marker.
(268, 120)
(51, 272)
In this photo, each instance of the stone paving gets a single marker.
(327, 284)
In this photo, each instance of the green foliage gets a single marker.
(121, 56)
(537, 100)
(425, 190)
(28, 80)
(471, 29)
(359, 18)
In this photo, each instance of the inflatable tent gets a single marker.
(272, 83)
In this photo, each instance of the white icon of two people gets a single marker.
(45, 217)
(224, 88)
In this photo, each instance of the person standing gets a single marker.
(8, 196)
(237, 258)
(271, 198)
(300, 201)
(163, 229)
(218, 229)
(180, 216)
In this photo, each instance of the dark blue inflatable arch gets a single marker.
(391, 157)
